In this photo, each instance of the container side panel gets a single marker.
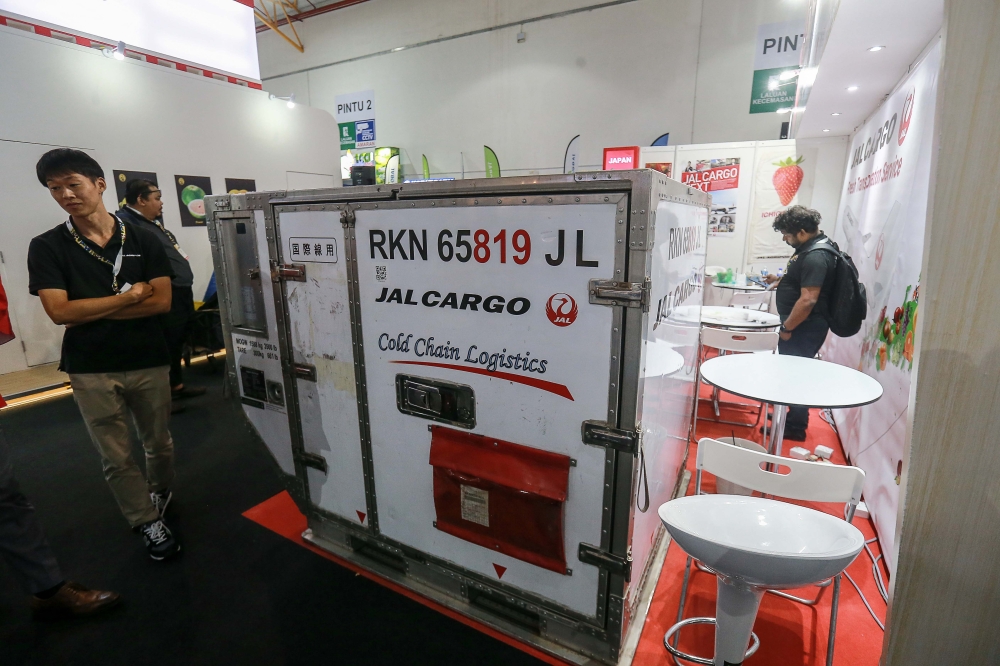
(256, 355)
(319, 323)
(669, 364)
(492, 303)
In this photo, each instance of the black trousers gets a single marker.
(175, 326)
(22, 543)
(806, 341)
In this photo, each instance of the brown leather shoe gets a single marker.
(73, 599)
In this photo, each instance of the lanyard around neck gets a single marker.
(116, 265)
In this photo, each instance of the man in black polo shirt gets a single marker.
(107, 281)
(803, 297)
(143, 207)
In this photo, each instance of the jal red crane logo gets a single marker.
(904, 123)
(561, 309)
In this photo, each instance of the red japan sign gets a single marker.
(621, 158)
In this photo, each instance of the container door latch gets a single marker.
(615, 564)
(292, 272)
(628, 294)
(599, 433)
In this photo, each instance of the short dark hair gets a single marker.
(64, 161)
(138, 188)
(796, 219)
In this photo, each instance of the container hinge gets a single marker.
(288, 272)
(347, 218)
(599, 433)
(304, 371)
(313, 460)
(628, 294)
(612, 563)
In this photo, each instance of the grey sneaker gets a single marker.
(161, 500)
(160, 542)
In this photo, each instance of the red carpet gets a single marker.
(791, 634)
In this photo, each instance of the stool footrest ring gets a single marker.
(693, 658)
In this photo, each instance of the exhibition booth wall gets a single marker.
(750, 183)
(446, 82)
(136, 116)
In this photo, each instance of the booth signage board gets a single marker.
(882, 217)
(219, 34)
(779, 46)
(453, 339)
(621, 158)
(723, 170)
(356, 119)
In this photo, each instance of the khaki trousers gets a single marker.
(105, 399)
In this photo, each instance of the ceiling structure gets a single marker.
(282, 15)
(903, 28)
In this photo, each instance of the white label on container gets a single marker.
(476, 505)
(322, 250)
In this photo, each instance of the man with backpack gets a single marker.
(804, 295)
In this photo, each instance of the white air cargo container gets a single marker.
(475, 388)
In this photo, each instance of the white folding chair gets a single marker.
(751, 300)
(805, 481)
(732, 341)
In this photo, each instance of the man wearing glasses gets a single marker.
(144, 208)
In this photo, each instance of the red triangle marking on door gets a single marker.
(500, 570)
(361, 517)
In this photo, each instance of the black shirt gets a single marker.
(183, 276)
(808, 269)
(55, 261)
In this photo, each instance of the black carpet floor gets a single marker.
(238, 594)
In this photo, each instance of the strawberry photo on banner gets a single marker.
(783, 176)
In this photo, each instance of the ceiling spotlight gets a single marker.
(118, 53)
(876, 48)
(851, 88)
(835, 113)
(826, 130)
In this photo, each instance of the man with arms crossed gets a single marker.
(803, 297)
(107, 281)
(143, 207)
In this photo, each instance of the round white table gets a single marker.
(717, 315)
(790, 381)
(749, 286)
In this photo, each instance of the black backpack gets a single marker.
(849, 301)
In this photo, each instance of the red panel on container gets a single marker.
(500, 495)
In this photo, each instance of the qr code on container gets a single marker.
(380, 273)
(476, 505)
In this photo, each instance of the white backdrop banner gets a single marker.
(883, 211)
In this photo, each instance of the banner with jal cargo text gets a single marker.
(883, 212)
